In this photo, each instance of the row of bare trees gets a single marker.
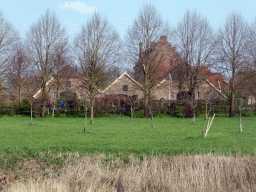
(99, 52)
(229, 51)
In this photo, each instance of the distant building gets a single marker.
(210, 86)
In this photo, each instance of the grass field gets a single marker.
(121, 135)
(118, 154)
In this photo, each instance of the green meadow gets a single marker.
(123, 136)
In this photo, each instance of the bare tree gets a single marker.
(8, 38)
(61, 59)
(146, 28)
(232, 54)
(251, 48)
(194, 40)
(43, 39)
(249, 81)
(18, 70)
(97, 48)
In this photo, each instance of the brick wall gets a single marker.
(117, 87)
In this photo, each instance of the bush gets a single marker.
(60, 115)
(248, 113)
(138, 114)
(222, 114)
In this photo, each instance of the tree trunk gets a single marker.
(43, 110)
(131, 113)
(194, 114)
(151, 117)
(146, 112)
(232, 112)
(193, 104)
(206, 116)
(53, 110)
(240, 120)
(19, 96)
(85, 117)
(31, 111)
(43, 102)
(92, 104)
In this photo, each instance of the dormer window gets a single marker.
(68, 84)
(125, 87)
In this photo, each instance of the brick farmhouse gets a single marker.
(210, 86)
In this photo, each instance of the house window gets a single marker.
(125, 87)
(68, 84)
(198, 95)
(172, 95)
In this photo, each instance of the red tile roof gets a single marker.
(215, 78)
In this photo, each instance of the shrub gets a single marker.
(139, 114)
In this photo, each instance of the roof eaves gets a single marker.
(119, 79)
(40, 90)
(214, 87)
(159, 84)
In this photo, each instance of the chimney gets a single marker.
(141, 48)
(163, 39)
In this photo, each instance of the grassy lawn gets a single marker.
(121, 135)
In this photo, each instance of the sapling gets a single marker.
(31, 101)
(240, 102)
(131, 112)
(31, 109)
(53, 109)
(151, 117)
(207, 115)
(85, 116)
(85, 104)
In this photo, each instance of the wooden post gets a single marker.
(209, 125)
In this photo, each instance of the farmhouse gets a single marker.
(67, 86)
(124, 86)
(210, 85)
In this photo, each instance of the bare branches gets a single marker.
(147, 28)
(97, 49)
(194, 40)
(18, 70)
(8, 38)
(232, 53)
(143, 51)
(44, 39)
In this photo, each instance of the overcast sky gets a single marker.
(72, 14)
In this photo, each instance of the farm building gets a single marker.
(210, 86)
